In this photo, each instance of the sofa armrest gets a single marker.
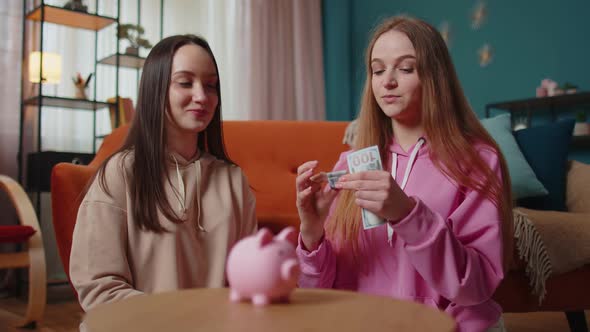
(68, 183)
(577, 188)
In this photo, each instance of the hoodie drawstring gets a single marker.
(198, 170)
(413, 157)
(181, 196)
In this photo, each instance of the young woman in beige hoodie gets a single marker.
(164, 211)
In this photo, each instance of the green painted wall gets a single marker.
(531, 39)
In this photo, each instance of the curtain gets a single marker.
(280, 69)
(10, 53)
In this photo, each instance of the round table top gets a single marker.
(308, 310)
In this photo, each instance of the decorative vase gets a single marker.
(581, 129)
(132, 50)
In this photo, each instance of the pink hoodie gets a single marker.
(447, 253)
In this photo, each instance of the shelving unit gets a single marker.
(71, 18)
(69, 103)
(34, 160)
(550, 104)
(553, 106)
(125, 60)
(40, 13)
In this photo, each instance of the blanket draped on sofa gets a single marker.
(551, 243)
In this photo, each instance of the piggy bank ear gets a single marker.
(289, 234)
(263, 237)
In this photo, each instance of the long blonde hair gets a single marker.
(449, 122)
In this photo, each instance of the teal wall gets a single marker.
(531, 39)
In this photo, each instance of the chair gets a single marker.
(32, 256)
(68, 182)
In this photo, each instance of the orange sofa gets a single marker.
(269, 153)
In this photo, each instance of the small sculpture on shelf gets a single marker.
(76, 5)
(81, 85)
(133, 32)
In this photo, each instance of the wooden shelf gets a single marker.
(71, 103)
(581, 141)
(71, 18)
(555, 103)
(125, 60)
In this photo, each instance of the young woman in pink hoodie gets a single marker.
(444, 191)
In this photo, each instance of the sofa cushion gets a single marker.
(269, 155)
(15, 233)
(546, 149)
(577, 188)
(524, 180)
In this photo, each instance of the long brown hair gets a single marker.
(449, 123)
(147, 135)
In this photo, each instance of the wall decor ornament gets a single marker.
(485, 55)
(445, 32)
(479, 15)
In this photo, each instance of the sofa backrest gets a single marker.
(269, 153)
(110, 144)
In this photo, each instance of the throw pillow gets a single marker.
(524, 180)
(546, 148)
(577, 196)
(15, 233)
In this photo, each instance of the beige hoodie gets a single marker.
(112, 259)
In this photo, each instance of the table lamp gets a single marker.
(51, 67)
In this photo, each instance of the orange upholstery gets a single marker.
(269, 153)
(67, 185)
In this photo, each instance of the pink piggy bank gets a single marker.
(263, 268)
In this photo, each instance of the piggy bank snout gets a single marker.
(290, 269)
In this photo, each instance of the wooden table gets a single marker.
(309, 310)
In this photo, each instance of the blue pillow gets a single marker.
(524, 180)
(546, 149)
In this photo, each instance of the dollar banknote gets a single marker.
(367, 159)
(334, 176)
(330, 177)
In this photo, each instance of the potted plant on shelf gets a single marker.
(133, 32)
(582, 127)
(569, 88)
(76, 5)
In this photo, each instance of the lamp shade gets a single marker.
(51, 67)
